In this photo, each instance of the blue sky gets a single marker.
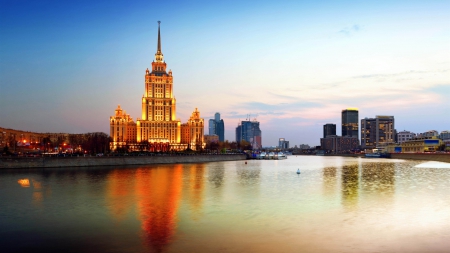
(293, 65)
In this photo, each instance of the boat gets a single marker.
(271, 156)
(262, 155)
(298, 171)
(377, 155)
(280, 156)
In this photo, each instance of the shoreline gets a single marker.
(437, 157)
(92, 161)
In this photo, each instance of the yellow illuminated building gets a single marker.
(122, 128)
(158, 127)
(192, 132)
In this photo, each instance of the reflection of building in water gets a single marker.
(329, 180)
(156, 192)
(248, 175)
(350, 185)
(216, 175)
(120, 192)
(195, 187)
(378, 179)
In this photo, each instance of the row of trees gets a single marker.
(225, 145)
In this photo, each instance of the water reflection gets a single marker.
(350, 185)
(195, 188)
(378, 178)
(335, 205)
(120, 193)
(155, 192)
(216, 175)
(158, 192)
(329, 180)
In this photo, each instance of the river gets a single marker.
(336, 204)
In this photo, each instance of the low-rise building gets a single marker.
(418, 145)
(404, 135)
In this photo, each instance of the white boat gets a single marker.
(271, 155)
(281, 156)
(262, 155)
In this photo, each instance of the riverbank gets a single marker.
(438, 157)
(61, 162)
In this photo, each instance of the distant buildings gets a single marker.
(217, 126)
(283, 143)
(329, 129)
(377, 132)
(304, 146)
(158, 129)
(350, 122)
(339, 144)
(444, 135)
(404, 135)
(250, 132)
(211, 138)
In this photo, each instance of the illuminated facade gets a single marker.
(350, 122)
(158, 126)
(122, 128)
(377, 132)
(193, 131)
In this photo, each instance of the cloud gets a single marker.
(347, 31)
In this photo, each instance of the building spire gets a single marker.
(159, 56)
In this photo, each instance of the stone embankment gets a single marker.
(61, 162)
(439, 157)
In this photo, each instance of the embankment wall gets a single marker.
(422, 156)
(60, 162)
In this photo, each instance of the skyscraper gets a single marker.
(217, 126)
(158, 123)
(350, 122)
(158, 129)
(329, 129)
(377, 132)
(250, 132)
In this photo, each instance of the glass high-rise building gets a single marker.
(329, 129)
(217, 126)
(250, 132)
(350, 122)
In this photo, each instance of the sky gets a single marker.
(291, 65)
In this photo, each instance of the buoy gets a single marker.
(298, 171)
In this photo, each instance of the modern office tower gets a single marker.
(350, 122)
(283, 143)
(329, 129)
(250, 132)
(404, 135)
(217, 126)
(377, 132)
(211, 127)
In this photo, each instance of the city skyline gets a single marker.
(294, 66)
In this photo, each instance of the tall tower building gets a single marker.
(158, 123)
(250, 132)
(377, 132)
(217, 126)
(329, 129)
(350, 122)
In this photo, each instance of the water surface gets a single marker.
(336, 204)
